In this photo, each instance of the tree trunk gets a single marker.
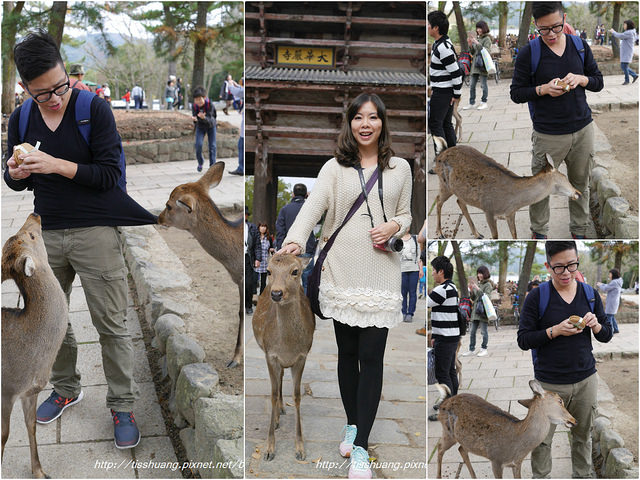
(503, 255)
(442, 246)
(10, 19)
(503, 9)
(463, 287)
(170, 23)
(619, 253)
(441, 6)
(615, 24)
(525, 23)
(525, 273)
(200, 45)
(56, 21)
(462, 31)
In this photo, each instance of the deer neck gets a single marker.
(42, 294)
(220, 237)
(533, 429)
(532, 189)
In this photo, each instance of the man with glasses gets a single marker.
(563, 362)
(561, 116)
(76, 194)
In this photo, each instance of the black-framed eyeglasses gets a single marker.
(46, 96)
(555, 29)
(559, 269)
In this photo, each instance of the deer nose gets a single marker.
(276, 295)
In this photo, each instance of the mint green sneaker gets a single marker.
(360, 467)
(346, 445)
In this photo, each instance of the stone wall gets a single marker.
(211, 422)
(177, 149)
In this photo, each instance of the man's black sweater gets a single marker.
(569, 112)
(92, 198)
(561, 360)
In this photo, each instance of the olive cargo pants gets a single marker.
(95, 254)
(576, 151)
(581, 400)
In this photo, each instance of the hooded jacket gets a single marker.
(612, 289)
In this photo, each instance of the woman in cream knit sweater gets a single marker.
(360, 285)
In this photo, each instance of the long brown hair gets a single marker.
(347, 152)
(266, 233)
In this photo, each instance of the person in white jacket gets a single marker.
(627, 38)
(612, 289)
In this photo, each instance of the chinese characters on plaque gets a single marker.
(305, 56)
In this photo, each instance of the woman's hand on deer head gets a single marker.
(292, 248)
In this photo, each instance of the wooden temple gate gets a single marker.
(305, 61)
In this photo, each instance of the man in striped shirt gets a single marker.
(445, 333)
(445, 79)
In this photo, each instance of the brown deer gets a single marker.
(480, 181)
(31, 337)
(484, 429)
(283, 326)
(190, 208)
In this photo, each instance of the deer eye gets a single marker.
(168, 207)
(268, 272)
(295, 272)
(32, 236)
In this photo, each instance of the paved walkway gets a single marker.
(399, 434)
(80, 443)
(503, 132)
(502, 378)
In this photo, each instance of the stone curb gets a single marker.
(209, 438)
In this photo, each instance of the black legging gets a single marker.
(360, 363)
(263, 281)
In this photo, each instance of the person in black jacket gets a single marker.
(76, 194)
(285, 219)
(563, 362)
(252, 259)
(562, 123)
(204, 118)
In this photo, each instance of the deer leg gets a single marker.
(442, 197)
(7, 407)
(296, 374)
(467, 462)
(237, 354)
(516, 469)
(275, 374)
(497, 469)
(29, 410)
(493, 224)
(280, 401)
(445, 443)
(511, 221)
(465, 212)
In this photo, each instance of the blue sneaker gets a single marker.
(53, 407)
(199, 168)
(360, 467)
(538, 236)
(125, 430)
(346, 445)
(575, 236)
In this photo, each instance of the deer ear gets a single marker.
(305, 261)
(212, 177)
(187, 202)
(549, 160)
(536, 387)
(29, 267)
(526, 403)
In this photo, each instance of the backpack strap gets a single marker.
(23, 121)
(590, 294)
(83, 113)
